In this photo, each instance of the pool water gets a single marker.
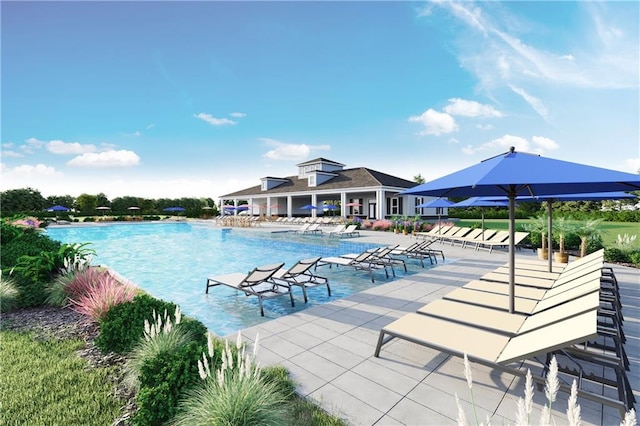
(171, 261)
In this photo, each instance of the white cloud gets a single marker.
(435, 123)
(213, 120)
(287, 151)
(121, 158)
(632, 165)
(484, 126)
(34, 143)
(74, 148)
(7, 145)
(471, 109)
(504, 142)
(601, 53)
(544, 143)
(454, 141)
(150, 126)
(534, 102)
(30, 171)
(11, 154)
(238, 114)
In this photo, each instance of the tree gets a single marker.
(419, 179)
(22, 200)
(61, 200)
(86, 203)
(102, 200)
(587, 230)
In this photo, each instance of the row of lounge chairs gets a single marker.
(337, 231)
(480, 239)
(574, 315)
(268, 281)
(325, 220)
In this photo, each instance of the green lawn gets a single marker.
(610, 230)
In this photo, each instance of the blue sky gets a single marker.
(198, 99)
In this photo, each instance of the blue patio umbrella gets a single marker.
(174, 209)
(482, 202)
(516, 173)
(438, 203)
(58, 208)
(308, 207)
(330, 207)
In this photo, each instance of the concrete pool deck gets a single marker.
(328, 350)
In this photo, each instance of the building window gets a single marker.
(264, 185)
(396, 206)
(312, 180)
(419, 210)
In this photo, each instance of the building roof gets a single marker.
(320, 159)
(360, 177)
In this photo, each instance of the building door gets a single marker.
(372, 211)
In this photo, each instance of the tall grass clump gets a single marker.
(525, 406)
(94, 297)
(235, 394)
(160, 336)
(8, 293)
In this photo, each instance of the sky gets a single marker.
(199, 99)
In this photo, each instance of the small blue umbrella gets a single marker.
(308, 207)
(516, 173)
(438, 203)
(58, 208)
(174, 209)
(330, 207)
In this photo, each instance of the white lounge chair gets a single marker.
(258, 282)
(300, 275)
(365, 261)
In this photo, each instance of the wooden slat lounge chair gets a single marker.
(459, 233)
(300, 275)
(258, 282)
(434, 232)
(496, 241)
(337, 230)
(471, 235)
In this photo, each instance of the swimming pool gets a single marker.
(171, 261)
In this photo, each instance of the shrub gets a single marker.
(381, 225)
(106, 293)
(57, 290)
(8, 294)
(164, 381)
(122, 326)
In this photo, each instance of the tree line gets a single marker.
(29, 200)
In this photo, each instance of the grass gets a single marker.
(610, 230)
(64, 390)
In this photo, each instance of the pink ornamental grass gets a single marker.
(104, 294)
(83, 281)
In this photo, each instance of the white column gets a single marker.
(380, 204)
(343, 201)
(314, 200)
(289, 208)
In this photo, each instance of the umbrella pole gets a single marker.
(550, 239)
(512, 252)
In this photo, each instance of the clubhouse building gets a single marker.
(324, 186)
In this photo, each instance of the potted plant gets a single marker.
(561, 228)
(538, 225)
(587, 230)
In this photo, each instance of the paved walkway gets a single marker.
(328, 350)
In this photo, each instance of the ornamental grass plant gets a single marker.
(97, 296)
(8, 293)
(235, 394)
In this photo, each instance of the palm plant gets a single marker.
(586, 231)
(538, 225)
(562, 227)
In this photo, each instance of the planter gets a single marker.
(543, 253)
(561, 257)
(405, 232)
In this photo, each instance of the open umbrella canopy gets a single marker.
(353, 205)
(174, 209)
(133, 208)
(515, 173)
(483, 202)
(330, 207)
(437, 203)
(103, 208)
(308, 207)
(58, 208)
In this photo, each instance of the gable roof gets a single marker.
(360, 177)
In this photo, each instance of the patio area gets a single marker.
(329, 349)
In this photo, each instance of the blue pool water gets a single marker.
(171, 261)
